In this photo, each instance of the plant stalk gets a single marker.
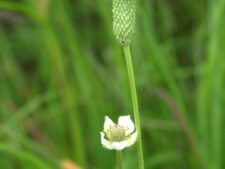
(134, 98)
(119, 159)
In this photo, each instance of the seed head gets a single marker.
(124, 19)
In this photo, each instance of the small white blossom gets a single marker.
(118, 136)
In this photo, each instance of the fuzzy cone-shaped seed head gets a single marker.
(124, 19)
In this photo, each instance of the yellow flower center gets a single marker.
(116, 133)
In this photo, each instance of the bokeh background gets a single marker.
(62, 71)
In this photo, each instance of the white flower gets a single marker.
(118, 136)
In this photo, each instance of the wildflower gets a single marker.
(118, 136)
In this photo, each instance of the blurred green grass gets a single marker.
(62, 71)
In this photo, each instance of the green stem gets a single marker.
(130, 71)
(119, 159)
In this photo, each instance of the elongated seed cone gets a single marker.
(124, 19)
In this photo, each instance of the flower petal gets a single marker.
(108, 123)
(132, 139)
(119, 145)
(126, 122)
(105, 142)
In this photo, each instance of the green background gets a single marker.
(62, 71)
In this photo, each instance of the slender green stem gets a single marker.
(119, 159)
(130, 71)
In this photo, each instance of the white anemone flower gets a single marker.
(118, 136)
